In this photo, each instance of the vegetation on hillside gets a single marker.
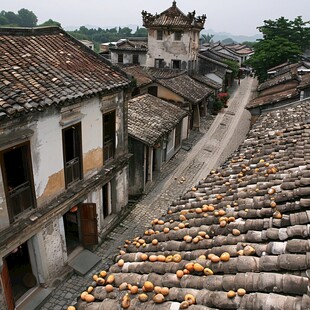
(283, 40)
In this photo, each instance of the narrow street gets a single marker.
(215, 143)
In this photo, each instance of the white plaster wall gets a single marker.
(53, 235)
(184, 128)
(170, 144)
(47, 151)
(121, 189)
(91, 125)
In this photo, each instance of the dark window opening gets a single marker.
(153, 90)
(105, 201)
(120, 58)
(72, 144)
(159, 34)
(176, 64)
(108, 136)
(17, 174)
(178, 36)
(135, 59)
(71, 226)
(20, 271)
(159, 63)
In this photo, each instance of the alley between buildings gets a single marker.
(211, 147)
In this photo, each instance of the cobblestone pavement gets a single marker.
(218, 137)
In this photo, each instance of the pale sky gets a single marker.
(239, 17)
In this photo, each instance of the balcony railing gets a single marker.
(20, 198)
(73, 170)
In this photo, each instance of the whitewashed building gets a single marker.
(173, 38)
(63, 155)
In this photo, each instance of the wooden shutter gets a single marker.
(88, 220)
(5, 277)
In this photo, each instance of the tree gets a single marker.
(51, 22)
(206, 38)
(27, 18)
(270, 53)
(282, 40)
(141, 32)
(12, 19)
(233, 66)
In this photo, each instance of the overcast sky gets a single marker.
(233, 16)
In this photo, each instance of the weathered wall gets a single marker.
(136, 167)
(55, 248)
(168, 49)
(128, 57)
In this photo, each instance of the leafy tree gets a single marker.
(51, 22)
(3, 20)
(270, 53)
(206, 38)
(141, 32)
(282, 40)
(125, 32)
(12, 19)
(248, 44)
(27, 18)
(233, 66)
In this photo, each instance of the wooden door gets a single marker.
(88, 224)
(5, 277)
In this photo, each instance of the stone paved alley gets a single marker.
(217, 139)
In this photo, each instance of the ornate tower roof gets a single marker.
(173, 17)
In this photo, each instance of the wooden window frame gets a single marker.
(73, 168)
(176, 64)
(135, 59)
(120, 58)
(178, 35)
(22, 192)
(159, 35)
(108, 136)
(159, 63)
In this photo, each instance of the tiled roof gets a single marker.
(139, 73)
(284, 95)
(305, 81)
(215, 55)
(132, 45)
(237, 240)
(278, 79)
(186, 87)
(207, 81)
(45, 66)
(173, 17)
(212, 60)
(150, 118)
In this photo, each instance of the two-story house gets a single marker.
(63, 155)
(173, 38)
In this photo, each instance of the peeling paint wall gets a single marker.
(185, 50)
(54, 247)
(128, 57)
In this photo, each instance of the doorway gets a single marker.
(71, 226)
(80, 225)
(18, 273)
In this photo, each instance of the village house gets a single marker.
(239, 239)
(239, 51)
(191, 93)
(287, 83)
(156, 129)
(129, 51)
(173, 39)
(63, 156)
